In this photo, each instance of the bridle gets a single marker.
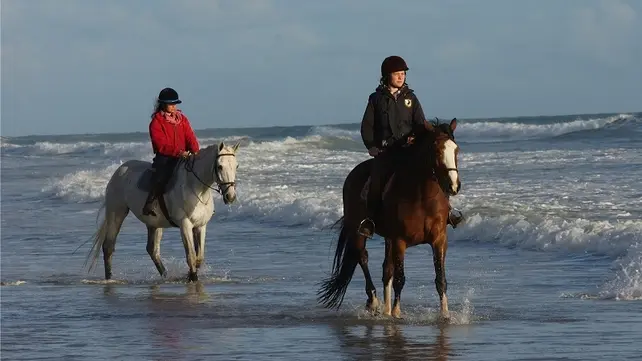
(189, 167)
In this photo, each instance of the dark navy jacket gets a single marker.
(389, 119)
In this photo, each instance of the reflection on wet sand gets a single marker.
(388, 342)
(173, 334)
(169, 314)
(194, 294)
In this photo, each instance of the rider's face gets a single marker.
(397, 79)
(170, 108)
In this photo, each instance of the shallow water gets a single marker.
(547, 266)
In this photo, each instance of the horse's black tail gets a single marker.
(346, 258)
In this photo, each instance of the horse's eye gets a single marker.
(220, 167)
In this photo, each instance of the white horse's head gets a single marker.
(225, 168)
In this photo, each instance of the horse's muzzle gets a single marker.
(229, 197)
(455, 188)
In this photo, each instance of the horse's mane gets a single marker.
(422, 152)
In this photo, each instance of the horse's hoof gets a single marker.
(192, 277)
(372, 305)
(396, 313)
(444, 319)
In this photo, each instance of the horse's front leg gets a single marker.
(388, 276)
(199, 245)
(399, 254)
(439, 247)
(187, 234)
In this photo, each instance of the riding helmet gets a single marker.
(392, 64)
(168, 96)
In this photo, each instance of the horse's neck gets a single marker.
(204, 177)
(415, 170)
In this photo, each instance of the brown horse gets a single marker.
(414, 211)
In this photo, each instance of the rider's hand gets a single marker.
(374, 151)
(411, 140)
(184, 154)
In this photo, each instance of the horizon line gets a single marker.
(319, 125)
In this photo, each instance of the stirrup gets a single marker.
(455, 216)
(367, 226)
(149, 211)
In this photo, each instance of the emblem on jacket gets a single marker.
(407, 103)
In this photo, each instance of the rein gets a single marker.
(189, 167)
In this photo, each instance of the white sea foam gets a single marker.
(549, 200)
(81, 186)
(494, 130)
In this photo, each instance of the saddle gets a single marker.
(386, 188)
(144, 182)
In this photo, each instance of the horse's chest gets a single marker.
(201, 216)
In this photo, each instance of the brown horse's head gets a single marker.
(435, 148)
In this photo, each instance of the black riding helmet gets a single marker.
(168, 96)
(393, 64)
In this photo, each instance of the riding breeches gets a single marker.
(163, 167)
(381, 170)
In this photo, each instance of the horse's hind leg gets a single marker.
(154, 236)
(114, 220)
(373, 303)
(399, 254)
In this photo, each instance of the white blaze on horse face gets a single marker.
(448, 160)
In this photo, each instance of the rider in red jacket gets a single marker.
(172, 138)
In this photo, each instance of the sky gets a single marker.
(79, 66)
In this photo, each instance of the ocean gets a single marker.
(547, 266)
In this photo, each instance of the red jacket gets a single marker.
(172, 139)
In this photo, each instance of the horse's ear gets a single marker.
(221, 146)
(428, 125)
(236, 146)
(453, 124)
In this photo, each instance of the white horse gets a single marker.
(187, 203)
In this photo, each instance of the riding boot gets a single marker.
(148, 208)
(367, 225)
(455, 216)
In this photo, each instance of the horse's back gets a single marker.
(131, 171)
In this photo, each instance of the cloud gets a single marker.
(86, 52)
(305, 62)
(606, 31)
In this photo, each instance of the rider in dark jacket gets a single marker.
(392, 113)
